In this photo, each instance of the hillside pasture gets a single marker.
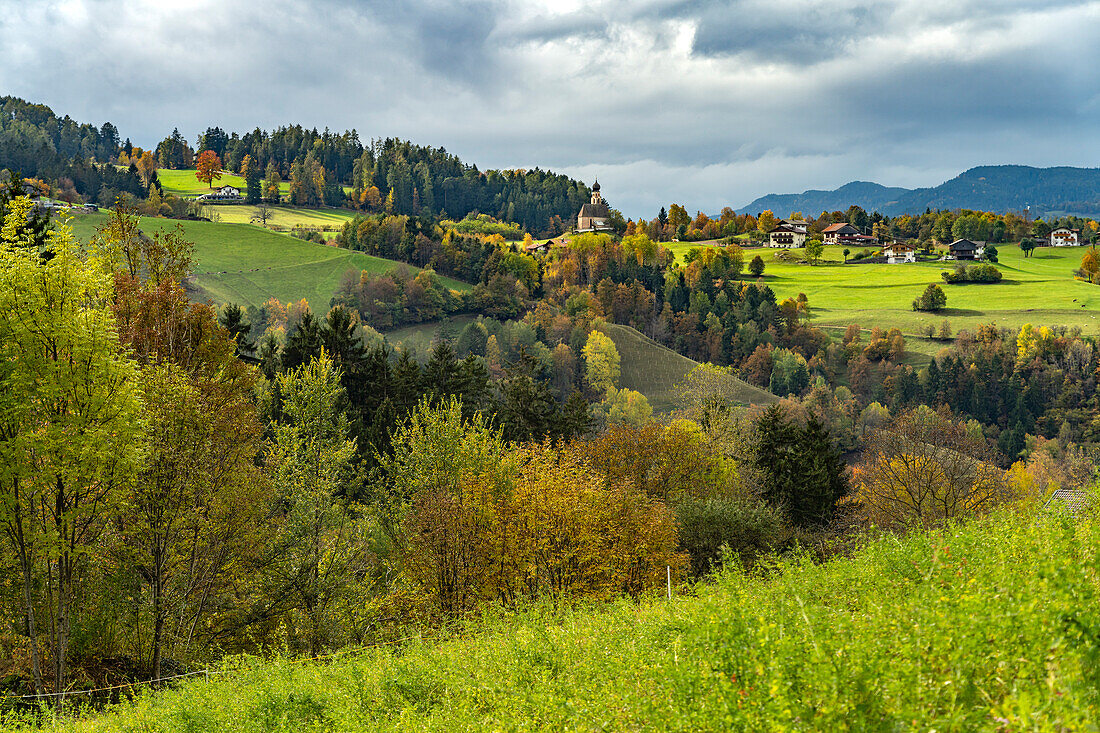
(248, 265)
(654, 370)
(985, 626)
(421, 338)
(285, 217)
(182, 182)
(1038, 290)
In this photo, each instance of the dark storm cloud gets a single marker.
(707, 102)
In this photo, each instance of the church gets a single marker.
(595, 216)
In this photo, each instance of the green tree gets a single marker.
(814, 249)
(932, 299)
(251, 171)
(756, 266)
(232, 319)
(70, 429)
(314, 550)
(1027, 246)
(601, 362)
(802, 472)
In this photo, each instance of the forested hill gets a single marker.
(341, 170)
(999, 188)
(39, 144)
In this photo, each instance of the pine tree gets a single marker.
(303, 344)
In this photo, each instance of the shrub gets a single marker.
(982, 273)
(756, 267)
(748, 527)
(933, 299)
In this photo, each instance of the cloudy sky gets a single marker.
(704, 102)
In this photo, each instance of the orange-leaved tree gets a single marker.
(208, 167)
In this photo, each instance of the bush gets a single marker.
(982, 273)
(933, 299)
(756, 267)
(748, 527)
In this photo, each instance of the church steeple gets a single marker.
(596, 198)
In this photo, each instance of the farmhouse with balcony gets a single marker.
(1065, 237)
(595, 216)
(899, 252)
(965, 249)
(844, 233)
(788, 234)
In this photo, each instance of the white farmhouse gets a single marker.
(788, 234)
(1065, 237)
(899, 252)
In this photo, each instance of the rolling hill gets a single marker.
(655, 370)
(1049, 192)
(247, 265)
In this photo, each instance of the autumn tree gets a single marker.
(766, 221)
(601, 362)
(208, 167)
(272, 182)
(146, 166)
(923, 468)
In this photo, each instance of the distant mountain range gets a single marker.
(1050, 192)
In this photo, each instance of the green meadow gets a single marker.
(183, 182)
(284, 217)
(1037, 290)
(986, 626)
(248, 265)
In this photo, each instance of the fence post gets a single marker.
(668, 570)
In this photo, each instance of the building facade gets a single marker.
(1065, 237)
(595, 216)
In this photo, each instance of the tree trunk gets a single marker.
(28, 602)
(158, 617)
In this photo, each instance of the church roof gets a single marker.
(595, 210)
(596, 185)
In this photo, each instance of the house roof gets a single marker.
(595, 211)
(1074, 500)
(964, 244)
(1064, 229)
(795, 222)
(785, 226)
(841, 227)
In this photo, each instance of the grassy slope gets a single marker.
(285, 216)
(419, 338)
(654, 370)
(984, 627)
(183, 182)
(1038, 290)
(247, 265)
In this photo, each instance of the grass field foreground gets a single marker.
(988, 626)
